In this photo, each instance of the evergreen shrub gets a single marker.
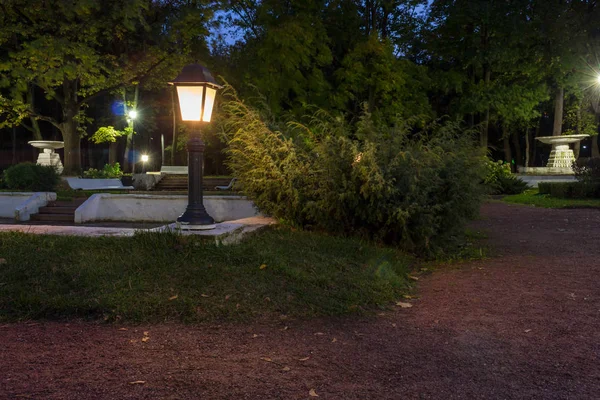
(32, 177)
(570, 190)
(392, 185)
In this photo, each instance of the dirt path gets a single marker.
(523, 325)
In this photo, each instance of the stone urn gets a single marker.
(49, 156)
(561, 155)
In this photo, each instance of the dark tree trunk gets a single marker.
(68, 128)
(506, 143)
(35, 126)
(595, 150)
(517, 146)
(558, 112)
(72, 147)
(112, 153)
(485, 127)
(14, 145)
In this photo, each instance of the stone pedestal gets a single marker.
(561, 156)
(50, 157)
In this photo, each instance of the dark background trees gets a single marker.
(513, 70)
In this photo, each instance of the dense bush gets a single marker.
(500, 180)
(109, 171)
(587, 170)
(29, 176)
(570, 190)
(414, 190)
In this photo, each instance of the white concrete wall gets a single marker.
(9, 201)
(142, 207)
(20, 205)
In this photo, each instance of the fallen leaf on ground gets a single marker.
(319, 333)
(414, 278)
(303, 359)
(122, 329)
(312, 393)
(407, 296)
(2, 260)
(267, 359)
(334, 340)
(404, 305)
(286, 369)
(255, 335)
(263, 266)
(137, 382)
(204, 295)
(145, 339)
(173, 297)
(227, 297)
(146, 333)
(527, 330)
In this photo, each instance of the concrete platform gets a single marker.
(229, 232)
(533, 180)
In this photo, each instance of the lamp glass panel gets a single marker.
(209, 102)
(190, 102)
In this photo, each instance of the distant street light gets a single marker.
(144, 161)
(132, 114)
(196, 91)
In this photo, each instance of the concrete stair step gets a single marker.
(57, 210)
(67, 203)
(53, 217)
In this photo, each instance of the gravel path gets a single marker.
(521, 325)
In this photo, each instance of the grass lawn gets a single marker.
(532, 197)
(166, 277)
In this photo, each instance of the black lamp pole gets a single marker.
(196, 90)
(195, 214)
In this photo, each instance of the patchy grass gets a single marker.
(533, 198)
(167, 277)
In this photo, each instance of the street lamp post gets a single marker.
(196, 91)
(131, 116)
(145, 159)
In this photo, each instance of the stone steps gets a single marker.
(58, 211)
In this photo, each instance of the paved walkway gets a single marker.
(128, 229)
(524, 324)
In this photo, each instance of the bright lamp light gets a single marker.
(196, 90)
(144, 158)
(132, 114)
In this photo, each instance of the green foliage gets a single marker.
(587, 170)
(29, 176)
(500, 180)
(108, 134)
(168, 277)
(108, 171)
(416, 191)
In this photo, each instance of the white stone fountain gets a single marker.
(49, 156)
(561, 157)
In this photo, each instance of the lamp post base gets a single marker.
(189, 227)
(195, 218)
